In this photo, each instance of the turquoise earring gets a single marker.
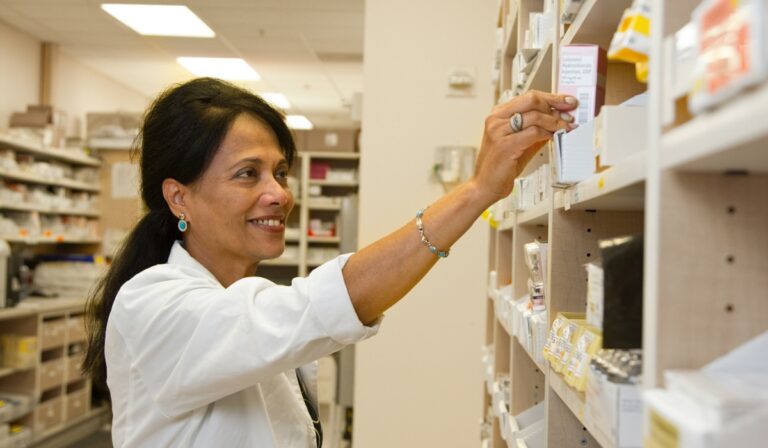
(183, 225)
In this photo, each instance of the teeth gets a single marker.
(269, 222)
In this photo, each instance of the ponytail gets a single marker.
(148, 244)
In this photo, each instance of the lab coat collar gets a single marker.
(179, 256)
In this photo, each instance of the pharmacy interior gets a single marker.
(615, 299)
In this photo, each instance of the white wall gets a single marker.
(418, 383)
(19, 72)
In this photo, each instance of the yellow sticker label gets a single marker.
(601, 183)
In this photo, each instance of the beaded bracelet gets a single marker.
(430, 246)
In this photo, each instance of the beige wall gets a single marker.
(418, 383)
(76, 89)
(19, 72)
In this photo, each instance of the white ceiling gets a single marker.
(309, 50)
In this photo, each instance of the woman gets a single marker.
(198, 351)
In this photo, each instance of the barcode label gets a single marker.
(582, 113)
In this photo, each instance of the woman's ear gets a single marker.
(174, 193)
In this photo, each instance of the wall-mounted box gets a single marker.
(336, 140)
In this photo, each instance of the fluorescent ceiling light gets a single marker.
(276, 99)
(225, 68)
(159, 20)
(298, 122)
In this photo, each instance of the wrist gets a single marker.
(479, 195)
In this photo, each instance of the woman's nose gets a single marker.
(276, 194)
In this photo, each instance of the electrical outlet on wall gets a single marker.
(461, 81)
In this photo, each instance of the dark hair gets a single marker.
(181, 133)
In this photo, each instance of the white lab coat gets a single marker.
(193, 364)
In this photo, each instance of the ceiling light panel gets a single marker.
(233, 69)
(159, 20)
(276, 99)
(298, 122)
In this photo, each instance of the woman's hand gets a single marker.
(504, 152)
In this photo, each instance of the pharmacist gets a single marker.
(196, 350)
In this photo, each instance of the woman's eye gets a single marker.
(246, 173)
(281, 175)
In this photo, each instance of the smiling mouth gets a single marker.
(269, 224)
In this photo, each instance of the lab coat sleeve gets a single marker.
(193, 341)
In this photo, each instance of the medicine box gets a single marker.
(614, 409)
(619, 132)
(582, 74)
(732, 50)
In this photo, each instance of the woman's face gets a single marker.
(237, 210)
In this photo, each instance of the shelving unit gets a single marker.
(72, 158)
(696, 193)
(61, 396)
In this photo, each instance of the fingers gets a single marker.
(518, 142)
(535, 100)
(551, 121)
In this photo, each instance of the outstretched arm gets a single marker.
(400, 260)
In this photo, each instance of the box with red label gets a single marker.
(582, 74)
(732, 49)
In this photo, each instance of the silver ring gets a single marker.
(516, 122)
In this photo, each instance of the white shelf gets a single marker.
(733, 137)
(32, 178)
(330, 155)
(50, 153)
(323, 239)
(575, 400)
(24, 207)
(41, 240)
(510, 40)
(111, 143)
(620, 187)
(333, 183)
(330, 207)
(596, 24)
(542, 367)
(7, 371)
(507, 223)
(536, 215)
(541, 75)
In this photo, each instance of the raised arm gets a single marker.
(400, 259)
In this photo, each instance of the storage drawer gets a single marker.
(53, 333)
(74, 364)
(52, 373)
(77, 404)
(75, 329)
(48, 415)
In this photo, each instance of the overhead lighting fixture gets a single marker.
(298, 122)
(159, 20)
(233, 69)
(276, 99)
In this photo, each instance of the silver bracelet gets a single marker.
(430, 246)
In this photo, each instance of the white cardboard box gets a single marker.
(619, 132)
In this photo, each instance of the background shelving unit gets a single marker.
(704, 180)
(60, 395)
(336, 203)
